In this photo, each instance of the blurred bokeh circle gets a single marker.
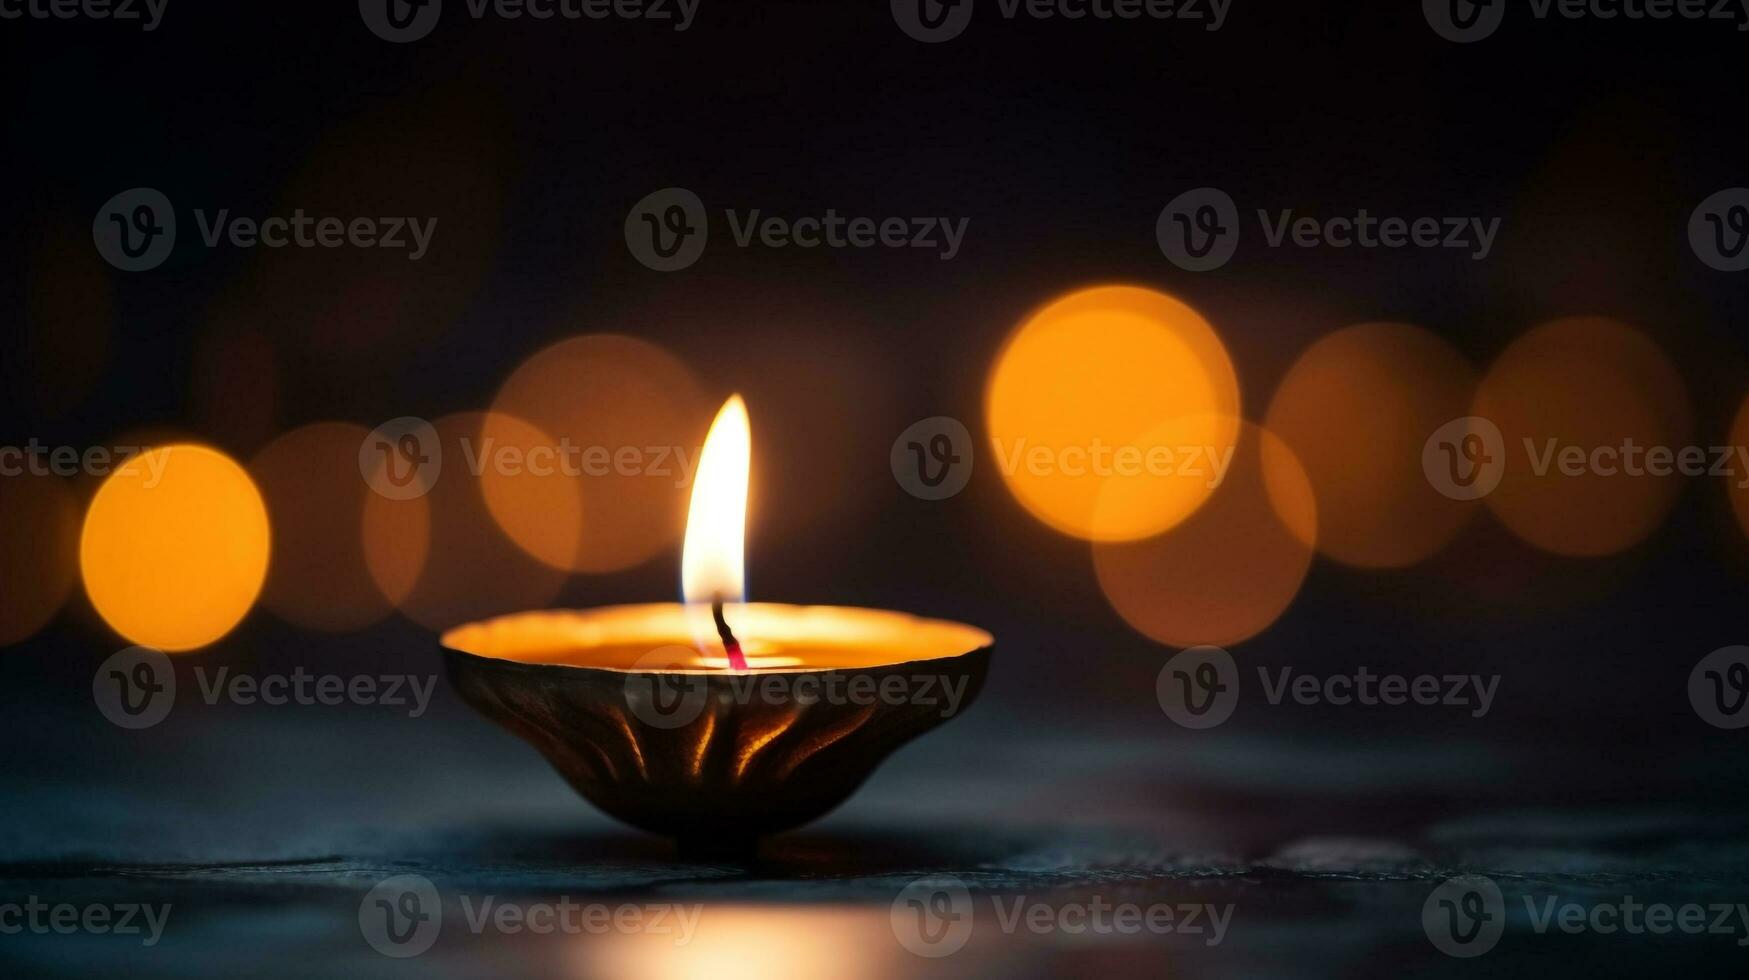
(1092, 398)
(1357, 409)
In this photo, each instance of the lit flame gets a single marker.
(713, 564)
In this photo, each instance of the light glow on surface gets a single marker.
(753, 943)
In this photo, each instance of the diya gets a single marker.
(716, 721)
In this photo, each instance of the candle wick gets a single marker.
(731, 646)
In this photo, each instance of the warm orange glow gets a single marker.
(1583, 384)
(1097, 399)
(316, 499)
(396, 537)
(175, 547)
(628, 419)
(1740, 493)
(39, 544)
(531, 497)
(470, 570)
(753, 943)
(713, 564)
(779, 637)
(1357, 408)
(1232, 568)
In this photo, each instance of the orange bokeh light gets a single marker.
(1583, 384)
(39, 545)
(1232, 568)
(316, 498)
(1357, 408)
(1739, 493)
(1104, 372)
(441, 555)
(626, 421)
(175, 547)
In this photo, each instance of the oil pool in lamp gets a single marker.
(717, 721)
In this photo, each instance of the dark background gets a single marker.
(529, 141)
(1061, 141)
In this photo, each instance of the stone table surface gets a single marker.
(265, 833)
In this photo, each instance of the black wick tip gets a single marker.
(728, 635)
